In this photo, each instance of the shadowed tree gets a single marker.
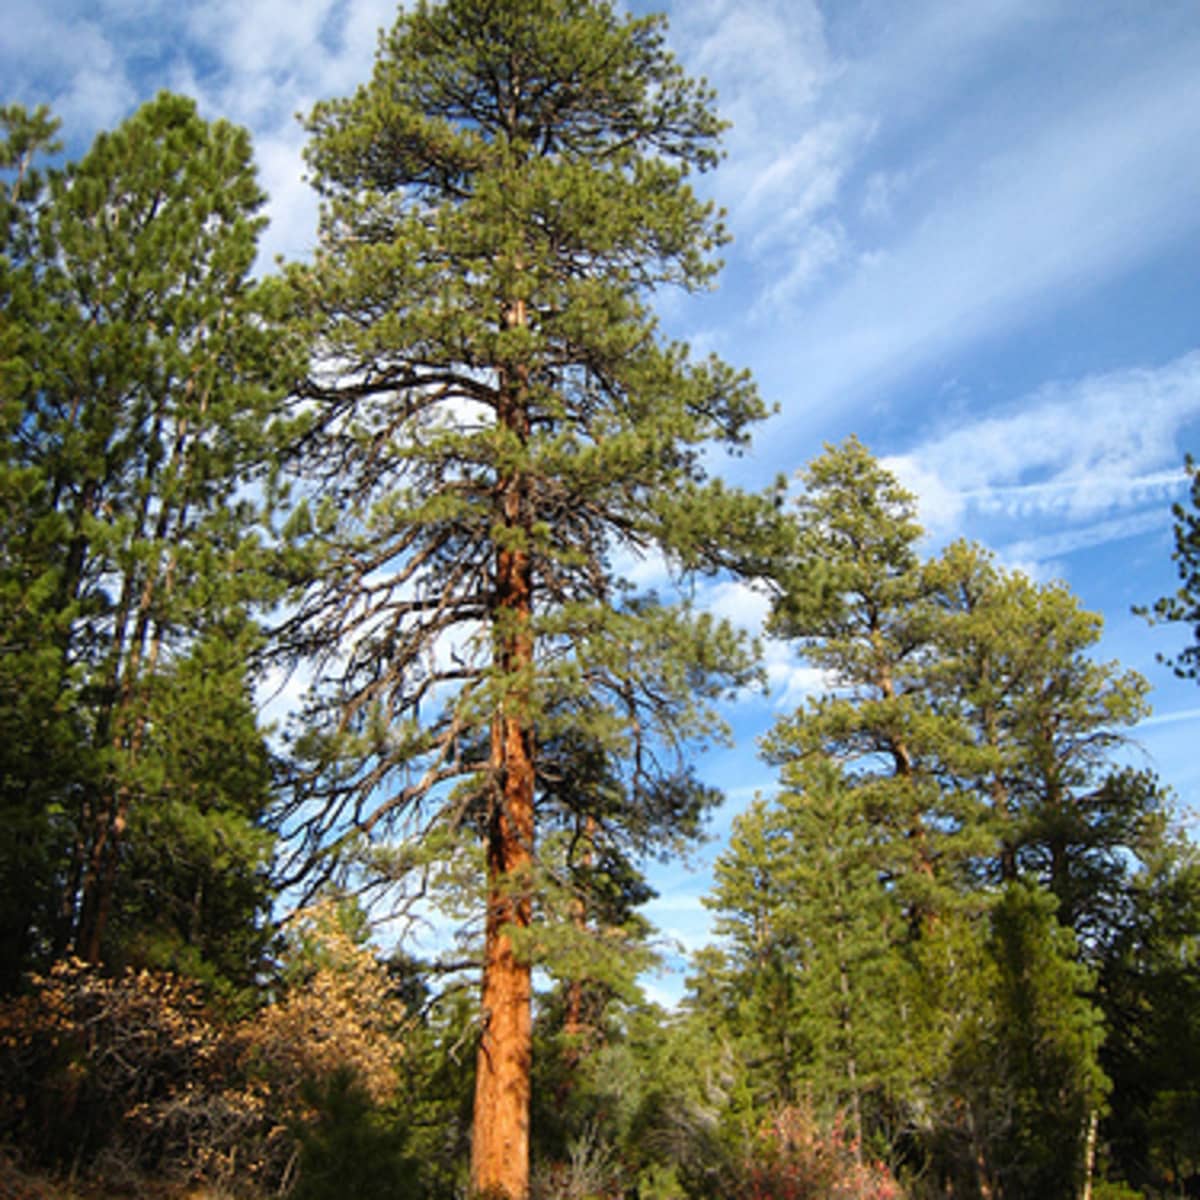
(138, 359)
(40, 735)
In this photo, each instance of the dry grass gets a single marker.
(16, 1184)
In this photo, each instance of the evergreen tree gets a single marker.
(1149, 991)
(816, 936)
(208, 789)
(1184, 605)
(747, 985)
(593, 845)
(973, 735)
(855, 600)
(496, 417)
(1011, 662)
(137, 386)
(40, 733)
(1027, 1063)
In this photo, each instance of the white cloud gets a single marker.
(751, 49)
(802, 179)
(1037, 550)
(908, 59)
(257, 38)
(292, 204)
(645, 571)
(277, 58)
(812, 251)
(770, 63)
(1072, 451)
(879, 194)
(681, 917)
(742, 604)
(255, 62)
(91, 85)
(1025, 192)
(1171, 718)
(790, 680)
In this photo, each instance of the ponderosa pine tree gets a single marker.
(1010, 660)
(137, 386)
(975, 736)
(496, 418)
(855, 601)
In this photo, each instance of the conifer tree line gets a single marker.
(955, 952)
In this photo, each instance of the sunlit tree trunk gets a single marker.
(500, 1146)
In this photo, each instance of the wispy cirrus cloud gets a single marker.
(939, 179)
(1090, 194)
(1085, 462)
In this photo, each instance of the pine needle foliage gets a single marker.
(136, 385)
(1183, 605)
(499, 426)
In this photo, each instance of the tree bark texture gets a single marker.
(500, 1138)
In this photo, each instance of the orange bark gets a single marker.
(500, 1138)
(500, 1130)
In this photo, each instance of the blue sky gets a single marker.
(967, 232)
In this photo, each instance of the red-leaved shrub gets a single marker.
(794, 1157)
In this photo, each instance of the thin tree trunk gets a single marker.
(847, 1023)
(106, 887)
(998, 790)
(1089, 1156)
(575, 1027)
(136, 685)
(573, 1018)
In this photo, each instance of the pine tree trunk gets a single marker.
(500, 1138)
(129, 719)
(1089, 1155)
(500, 1131)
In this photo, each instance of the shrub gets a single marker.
(795, 1158)
(119, 1076)
(129, 1073)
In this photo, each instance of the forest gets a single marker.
(395, 489)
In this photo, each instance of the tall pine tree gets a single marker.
(40, 734)
(1041, 720)
(137, 387)
(972, 735)
(497, 417)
